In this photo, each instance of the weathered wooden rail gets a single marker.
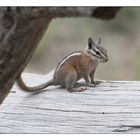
(111, 107)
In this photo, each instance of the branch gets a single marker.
(104, 13)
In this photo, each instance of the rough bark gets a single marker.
(22, 28)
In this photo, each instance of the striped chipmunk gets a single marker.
(74, 66)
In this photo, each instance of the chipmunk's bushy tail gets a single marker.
(24, 87)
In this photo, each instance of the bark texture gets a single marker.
(22, 28)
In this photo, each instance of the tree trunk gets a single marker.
(21, 30)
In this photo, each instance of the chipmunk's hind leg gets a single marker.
(71, 80)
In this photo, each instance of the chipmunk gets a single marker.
(74, 66)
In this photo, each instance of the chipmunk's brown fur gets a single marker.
(77, 65)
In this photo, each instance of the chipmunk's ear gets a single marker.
(90, 43)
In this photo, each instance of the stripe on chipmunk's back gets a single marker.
(65, 58)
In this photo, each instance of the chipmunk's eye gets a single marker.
(98, 53)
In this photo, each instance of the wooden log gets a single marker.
(111, 107)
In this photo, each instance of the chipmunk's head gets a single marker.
(96, 50)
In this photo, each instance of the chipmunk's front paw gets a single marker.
(91, 85)
(96, 82)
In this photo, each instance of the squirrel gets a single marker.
(74, 66)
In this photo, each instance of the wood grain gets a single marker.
(111, 107)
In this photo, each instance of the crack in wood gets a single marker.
(125, 128)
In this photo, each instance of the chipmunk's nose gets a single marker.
(106, 59)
